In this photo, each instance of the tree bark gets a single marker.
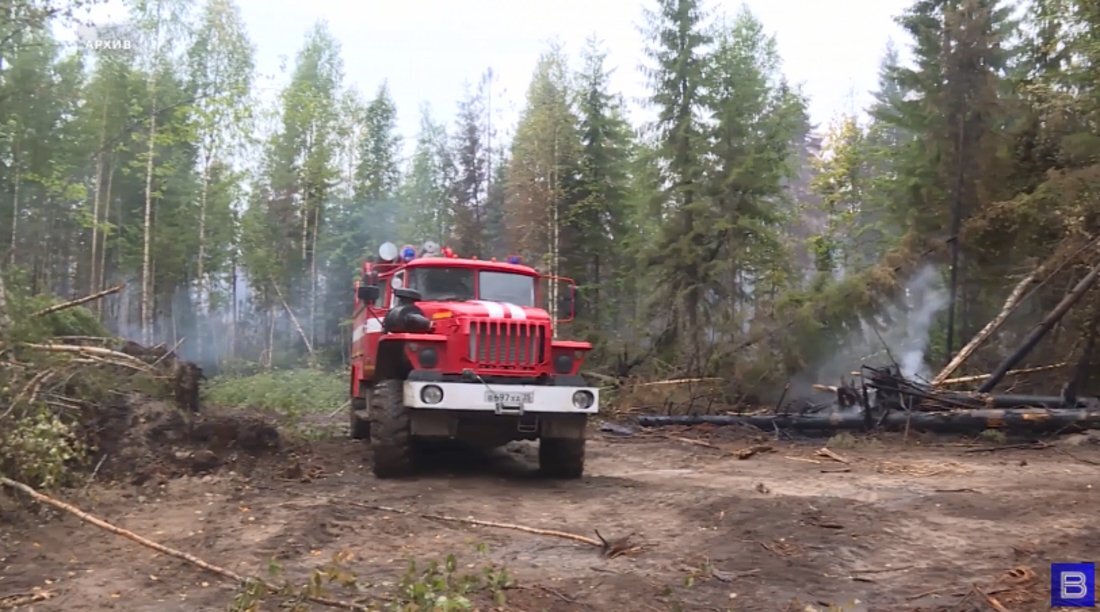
(313, 279)
(102, 280)
(17, 179)
(200, 268)
(93, 282)
(5, 318)
(146, 257)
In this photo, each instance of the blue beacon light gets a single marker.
(408, 254)
(514, 259)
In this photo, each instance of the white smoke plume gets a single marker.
(903, 334)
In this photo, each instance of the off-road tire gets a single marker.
(561, 457)
(390, 430)
(360, 423)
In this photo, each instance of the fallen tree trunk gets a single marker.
(1010, 305)
(294, 320)
(1041, 330)
(78, 301)
(955, 421)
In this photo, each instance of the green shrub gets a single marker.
(39, 448)
(289, 392)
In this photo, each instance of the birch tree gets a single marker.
(220, 65)
(160, 23)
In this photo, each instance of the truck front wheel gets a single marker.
(561, 457)
(390, 431)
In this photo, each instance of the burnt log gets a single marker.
(955, 421)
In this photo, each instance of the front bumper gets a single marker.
(501, 399)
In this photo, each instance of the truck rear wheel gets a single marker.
(390, 431)
(561, 457)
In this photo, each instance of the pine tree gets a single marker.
(378, 174)
(598, 220)
(757, 119)
(425, 190)
(678, 46)
(468, 186)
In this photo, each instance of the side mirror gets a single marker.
(567, 303)
(368, 293)
(410, 296)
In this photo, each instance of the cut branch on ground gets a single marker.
(171, 552)
(611, 548)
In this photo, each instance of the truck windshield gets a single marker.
(506, 287)
(446, 284)
(443, 284)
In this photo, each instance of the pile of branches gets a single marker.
(57, 391)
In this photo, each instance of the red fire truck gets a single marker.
(448, 347)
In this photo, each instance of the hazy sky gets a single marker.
(428, 50)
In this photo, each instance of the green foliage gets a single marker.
(40, 448)
(440, 587)
(293, 393)
(685, 238)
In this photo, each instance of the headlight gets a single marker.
(582, 400)
(563, 364)
(433, 395)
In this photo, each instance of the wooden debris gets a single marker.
(618, 546)
(171, 552)
(746, 453)
(678, 381)
(991, 600)
(978, 377)
(724, 576)
(693, 441)
(78, 301)
(824, 452)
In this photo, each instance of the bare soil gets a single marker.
(916, 525)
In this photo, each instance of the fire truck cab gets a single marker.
(447, 347)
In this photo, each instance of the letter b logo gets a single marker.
(1073, 585)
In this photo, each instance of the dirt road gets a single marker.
(897, 527)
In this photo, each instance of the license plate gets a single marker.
(509, 398)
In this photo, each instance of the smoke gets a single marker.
(899, 333)
(204, 332)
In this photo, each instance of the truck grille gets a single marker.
(505, 344)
